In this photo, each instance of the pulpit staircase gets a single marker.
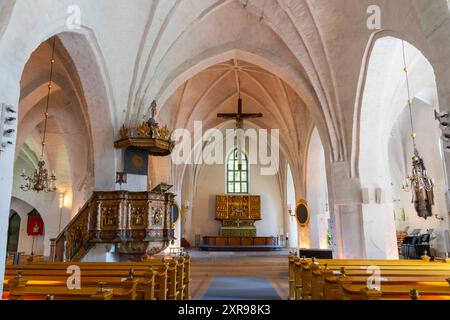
(137, 223)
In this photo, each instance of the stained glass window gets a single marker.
(237, 178)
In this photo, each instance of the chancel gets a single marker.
(323, 150)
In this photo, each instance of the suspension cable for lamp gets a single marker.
(52, 62)
(413, 134)
(239, 85)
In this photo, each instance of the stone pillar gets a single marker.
(345, 213)
(379, 224)
(6, 181)
(159, 170)
(290, 227)
(361, 230)
(9, 94)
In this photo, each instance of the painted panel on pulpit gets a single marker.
(110, 217)
(157, 216)
(138, 217)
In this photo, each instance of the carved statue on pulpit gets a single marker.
(137, 217)
(157, 216)
(109, 218)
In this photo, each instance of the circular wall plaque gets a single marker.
(302, 213)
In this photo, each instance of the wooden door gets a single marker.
(13, 233)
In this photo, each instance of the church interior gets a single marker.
(224, 150)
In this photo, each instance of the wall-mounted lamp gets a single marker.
(291, 213)
(61, 206)
(61, 200)
(440, 218)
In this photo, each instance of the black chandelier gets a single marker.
(418, 181)
(41, 180)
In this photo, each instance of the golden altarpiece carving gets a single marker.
(238, 214)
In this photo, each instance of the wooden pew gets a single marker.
(295, 277)
(307, 269)
(146, 280)
(187, 277)
(180, 282)
(179, 278)
(318, 277)
(396, 292)
(173, 290)
(150, 284)
(18, 290)
(292, 260)
(121, 289)
(307, 280)
(334, 285)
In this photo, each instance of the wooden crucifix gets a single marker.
(239, 116)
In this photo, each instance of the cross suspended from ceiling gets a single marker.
(239, 117)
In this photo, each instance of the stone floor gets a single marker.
(246, 272)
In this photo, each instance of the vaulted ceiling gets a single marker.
(307, 56)
(67, 140)
(216, 90)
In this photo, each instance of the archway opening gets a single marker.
(214, 90)
(386, 147)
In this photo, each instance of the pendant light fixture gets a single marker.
(41, 180)
(418, 181)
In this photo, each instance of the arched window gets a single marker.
(237, 178)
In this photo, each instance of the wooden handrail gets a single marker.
(59, 245)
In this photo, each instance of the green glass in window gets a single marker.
(237, 176)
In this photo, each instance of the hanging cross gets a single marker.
(239, 116)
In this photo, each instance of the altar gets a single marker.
(240, 244)
(238, 228)
(238, 214)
